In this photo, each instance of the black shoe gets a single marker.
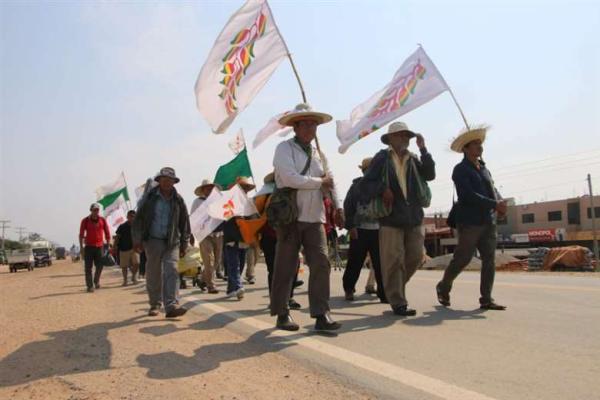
(404, 311)
(294, 305)
(97, 285)
(298, 283)
(286, 323)
(202, 285)
(349, 296)
(326, 323)
(492, 306)
(90, 289)
(176, 312)
(443, 298)
(220, 275)
(183, 285)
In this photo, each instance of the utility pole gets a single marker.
(21, 230)
(593, 212)
(5, 225)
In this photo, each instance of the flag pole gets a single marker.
(462, 114)
(289, 56)
(126, 188)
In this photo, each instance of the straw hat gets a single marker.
(301, 112)
(365, 163)
(244, 183)
(205, 183)
(397, 127)
(467, 136)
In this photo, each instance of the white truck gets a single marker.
(21, 259)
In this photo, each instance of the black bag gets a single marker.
(283, 207)
(451, 219)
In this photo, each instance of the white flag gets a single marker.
(201, 223)
(415, 83)
(116, 213)
(273, 127)
(108, 194)
(238, 143)
(244, 56)
(233, 203)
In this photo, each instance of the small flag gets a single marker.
(238, 143)
(233, 203)
(110, 193)
(273, 127)
(228, 173)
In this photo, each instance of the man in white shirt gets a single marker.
(299, 165)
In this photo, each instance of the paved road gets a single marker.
(545, 346)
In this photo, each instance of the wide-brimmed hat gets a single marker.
(304, 111)
(166, 172)
(244, 183)
(397, 127)
(365, 163)
(205, 183)
(467, 136)
(269, 178)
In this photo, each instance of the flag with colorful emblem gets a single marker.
(242, 60)
(416, 82)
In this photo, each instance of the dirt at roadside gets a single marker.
(58, 342)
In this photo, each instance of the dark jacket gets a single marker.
(406, 212)
(179, 224)
(477, 197)
(350, 203)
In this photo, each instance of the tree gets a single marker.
(34, 237)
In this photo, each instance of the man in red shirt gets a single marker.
(92, 233)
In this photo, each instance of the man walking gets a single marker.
(474, 216)
(364, 239)
(399, 177)
(303, 169)
(93, 233)
(162, 229)
(211, 248)
(128, 258)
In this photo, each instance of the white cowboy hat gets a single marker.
(467, 136)
(304, 111)
(397, 127)
(205, 183)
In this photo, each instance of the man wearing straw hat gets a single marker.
(300, 166)
(474, 215)
(211, 248)
(364, 238)
(397, 177)
(162, 229)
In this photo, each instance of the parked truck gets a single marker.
(42, 252)
(61, 253)
(21, 259)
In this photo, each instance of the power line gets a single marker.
(547, 159)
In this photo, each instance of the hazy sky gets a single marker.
(90, 89)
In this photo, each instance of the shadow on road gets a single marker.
(441, 314)
(66, 352)
(170, 365)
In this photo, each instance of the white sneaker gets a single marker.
(230, 295)
(240, 293)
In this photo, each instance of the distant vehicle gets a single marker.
(42, 251)
(21, 259)
(61, 253)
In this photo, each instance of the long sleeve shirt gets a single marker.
(289, 161)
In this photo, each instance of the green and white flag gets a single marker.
(109, 194)
(228, 173)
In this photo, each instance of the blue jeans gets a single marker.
(235, 258)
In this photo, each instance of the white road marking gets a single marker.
(404, 376)
(521, 285)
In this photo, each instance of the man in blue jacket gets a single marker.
(398, 176)
(474, 215)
